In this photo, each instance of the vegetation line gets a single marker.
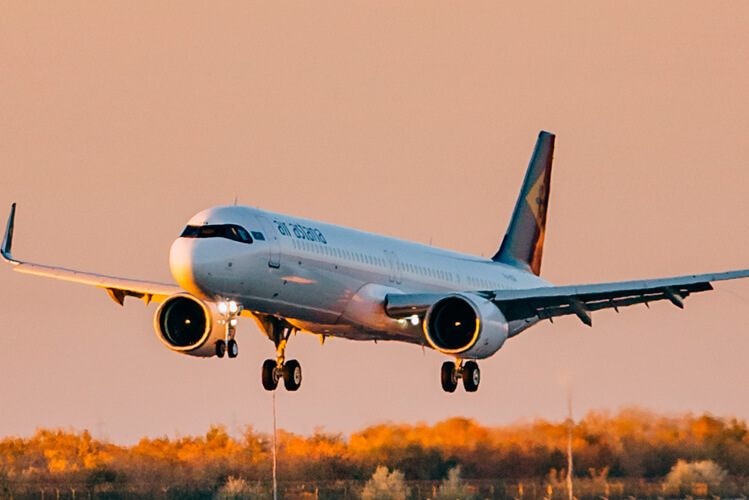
(631, 453)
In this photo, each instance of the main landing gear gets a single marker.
(274, 370)
(468, 371)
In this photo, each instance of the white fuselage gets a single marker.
(327, 279)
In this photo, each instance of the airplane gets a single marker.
(292, 274)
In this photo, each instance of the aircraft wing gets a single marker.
(580, 300)
(118, 288)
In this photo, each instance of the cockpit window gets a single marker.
(229, 231)
(258, 235)
(190, 232)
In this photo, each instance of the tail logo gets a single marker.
(536, 199)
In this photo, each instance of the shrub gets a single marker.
(238, 488)
(385, 485)
(453, 487)
(685, 475)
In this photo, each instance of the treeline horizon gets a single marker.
(632, 443)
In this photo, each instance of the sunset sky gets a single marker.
(120, 120)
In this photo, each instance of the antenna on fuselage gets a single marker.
(235, 200)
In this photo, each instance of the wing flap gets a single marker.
(554, 303)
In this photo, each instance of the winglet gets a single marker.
(8, 238)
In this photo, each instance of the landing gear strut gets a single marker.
(274, 370)
(452, 372)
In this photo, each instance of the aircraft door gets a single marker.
(398, 268)
(396, 271)
(391, 266)
(274, 245)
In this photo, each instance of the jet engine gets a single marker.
(466, 326)
(190, 326)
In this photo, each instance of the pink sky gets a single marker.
(118, 121)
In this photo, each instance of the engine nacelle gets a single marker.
(466, 326)
(190, 326)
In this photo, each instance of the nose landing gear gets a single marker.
(274, 370)
(468, 371)
(227, 347)
(230, 311)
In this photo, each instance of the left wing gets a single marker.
(580, 300)
(118, 288)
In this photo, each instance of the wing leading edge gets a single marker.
(580, 300)
(118, 288)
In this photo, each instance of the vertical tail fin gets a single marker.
(523, 243)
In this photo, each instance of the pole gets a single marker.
(275, 483)
(570, 424)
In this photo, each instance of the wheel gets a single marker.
(270, 376)
(449, 381)
(471, 376)
(292, 375)
(232, 349)
(220, 348)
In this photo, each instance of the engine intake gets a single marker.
(188, 325)
(466, 325)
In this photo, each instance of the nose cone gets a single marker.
(185, 269)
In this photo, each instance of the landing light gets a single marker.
(233, 322)
(222, 307)
(415, 320)
(233, 307)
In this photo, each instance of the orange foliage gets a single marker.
(631, 443)
(315, 447)
(215, 444)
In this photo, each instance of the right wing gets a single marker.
(118, 288)
(580, 300)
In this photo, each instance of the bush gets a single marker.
(685, 475)
(385, 485)
(238, 488)
(453, 487)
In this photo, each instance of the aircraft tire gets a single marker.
(449, 382)
(292, 375)
(220, 348)
(270, 379)
(471, 376)
(232, 349)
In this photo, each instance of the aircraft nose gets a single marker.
(185, 269)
